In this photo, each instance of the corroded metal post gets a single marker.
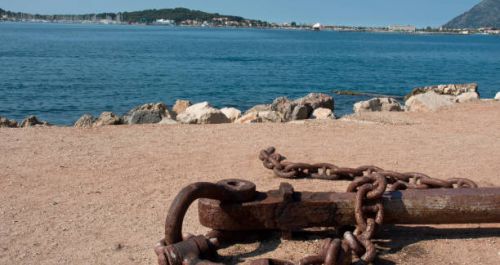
(287, 210)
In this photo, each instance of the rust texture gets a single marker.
(271, 210)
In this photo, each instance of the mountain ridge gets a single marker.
(485, 14)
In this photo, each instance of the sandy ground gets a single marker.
(100, 196)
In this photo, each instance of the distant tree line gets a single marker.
(176, 14)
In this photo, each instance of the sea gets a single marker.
(59, 72)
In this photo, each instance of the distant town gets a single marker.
(192, 18)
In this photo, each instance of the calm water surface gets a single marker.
(59, 72)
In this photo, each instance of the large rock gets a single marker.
(168, 121)
(300, 112)
(377, 104)
(202, 113)
(251, 117)
(271, 116)
(231, 113)
(258, 108)
(181, 105)
(86, 121)
(31, 121)
(108, 118)
(429, 101)
(147, 113)
(451, 89)
(466, 97)
(261, 116)
(316, 100)
(6, 123)
(284, 106)
(497, 96)
(322, 114)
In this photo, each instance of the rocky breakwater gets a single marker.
(282, 109)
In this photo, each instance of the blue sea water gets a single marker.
(59, 72)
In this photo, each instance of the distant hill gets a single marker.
(483, 15)
(177, 15)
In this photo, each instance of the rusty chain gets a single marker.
(327, 171)
(369, 183)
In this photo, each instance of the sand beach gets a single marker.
(100, 195)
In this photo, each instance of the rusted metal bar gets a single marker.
(287, 210)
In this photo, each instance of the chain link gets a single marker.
(369, 183)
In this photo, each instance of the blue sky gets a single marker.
(339, 12)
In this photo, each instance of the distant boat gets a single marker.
(316, 27)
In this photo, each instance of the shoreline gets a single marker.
(281, 110)
(376, 31)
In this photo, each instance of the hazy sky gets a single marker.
(343, 12)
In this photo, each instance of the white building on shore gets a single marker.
(401, 28)
(317, 26)
(164, 22)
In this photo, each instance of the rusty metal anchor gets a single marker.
(234, 205)
(374, 197)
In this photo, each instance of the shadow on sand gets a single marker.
(391, 239)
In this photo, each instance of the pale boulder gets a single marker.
(107, 118)
(316, 100)
(466, 97)
(430, 101)
(202, 113)
(181, 105)
(251, 117)
(377, 104)
(86, 121)
(261, 116)
(497, 96)
(322, 114)
(231, 113)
